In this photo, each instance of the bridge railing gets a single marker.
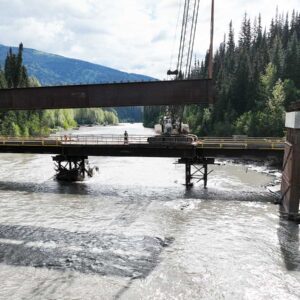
(248, 139)
(240, 143)
(74, 139)
(111, 139)
(104, 139)
(29, 141)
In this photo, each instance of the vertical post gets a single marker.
(205, 175)
(211, 47)
(83, 168)
(188, 175)
(290, 185)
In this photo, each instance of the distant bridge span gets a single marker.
(73, 150)
(138, 146)
(151, 93)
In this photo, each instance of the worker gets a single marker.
(125, 138)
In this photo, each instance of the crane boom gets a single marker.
(187, 39)
(210, 61)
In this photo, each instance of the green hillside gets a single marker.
(53, 69)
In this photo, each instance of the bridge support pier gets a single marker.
(72, 168)
(290, 185)
(199, 172)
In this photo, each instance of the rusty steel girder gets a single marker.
(295, 106)
(179, 92)
(290, 184)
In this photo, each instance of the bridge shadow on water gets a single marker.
(243, 195)
(103, 254)
(151, 193)
(51, 187)
(289, 241)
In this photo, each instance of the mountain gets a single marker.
(51, 69)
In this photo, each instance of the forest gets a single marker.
(41, 122)
(256, 77)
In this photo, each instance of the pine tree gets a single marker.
(230, 51)
(286, 32)
(292, 60)
(293, 23)
(277, 55)
(2, 80)
(15, 72)
(245, 34)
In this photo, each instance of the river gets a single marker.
(134, 232)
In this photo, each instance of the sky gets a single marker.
(135, 36)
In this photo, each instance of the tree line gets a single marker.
(256, 77)
(41, 122)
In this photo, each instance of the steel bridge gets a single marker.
(138, 145)
(72, 150)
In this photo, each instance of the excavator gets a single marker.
(171, 129)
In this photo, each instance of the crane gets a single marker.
(173, 119)
(172, 122)
(187, 39)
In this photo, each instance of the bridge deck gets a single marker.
(113, 145)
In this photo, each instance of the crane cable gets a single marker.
(183, 34)
(176, 32)
(187, 38)
(193, 36)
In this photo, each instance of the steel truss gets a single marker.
(199, 172)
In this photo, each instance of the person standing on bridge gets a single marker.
(125, 138)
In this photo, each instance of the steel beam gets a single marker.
(200, 172)
(295, 106)
(179, 92)
(290, 184)
(142, 150)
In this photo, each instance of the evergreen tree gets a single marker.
(2, 80)
(152, 115)
(277, 55)
(245, 34)
(292, 60)
(286, 32)
(15, 73)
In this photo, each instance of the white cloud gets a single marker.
(131, 35)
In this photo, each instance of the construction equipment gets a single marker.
(184, 60)
(171, 122)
